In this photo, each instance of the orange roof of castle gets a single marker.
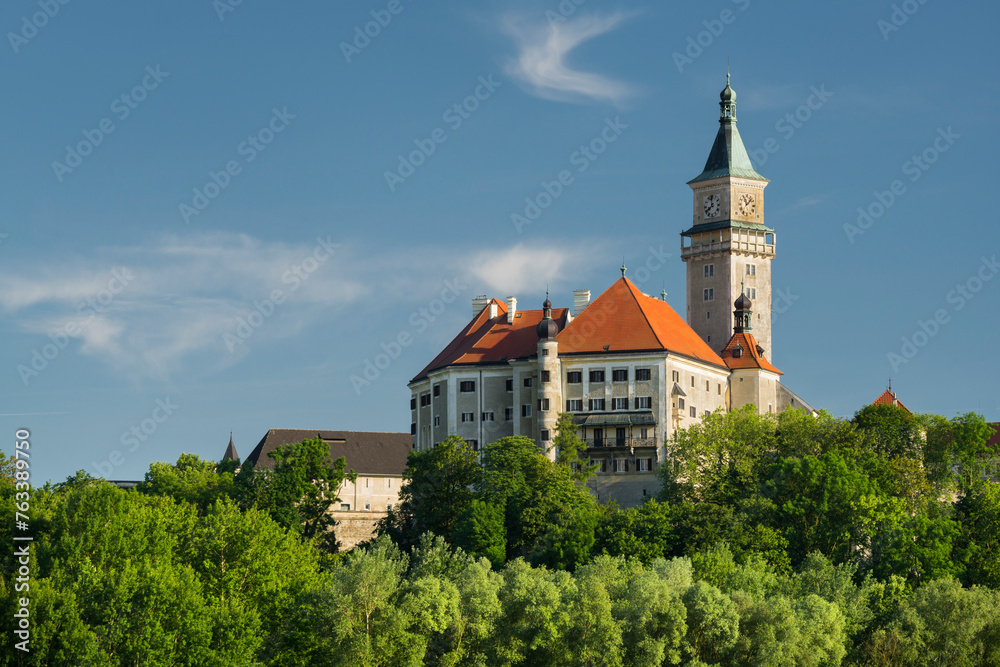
(487, 340)
(751, 358)
(623, 319)
(889, 398)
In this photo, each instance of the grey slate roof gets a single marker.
(366, 452)
(231, 454)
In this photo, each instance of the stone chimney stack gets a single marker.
(581, 299)
(511, 309)
(478, 303)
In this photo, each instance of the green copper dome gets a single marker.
(728, 156)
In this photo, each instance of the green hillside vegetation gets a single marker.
(787, 540)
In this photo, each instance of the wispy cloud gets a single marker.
(543, 50)
(182, 294)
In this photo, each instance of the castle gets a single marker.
(626, 366)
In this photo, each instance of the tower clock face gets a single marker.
(712, 205)
(747, 204)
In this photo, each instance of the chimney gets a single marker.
(478, 304)
(581, 299)
(493, 309)
(511, 309)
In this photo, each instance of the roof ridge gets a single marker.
(642, 310)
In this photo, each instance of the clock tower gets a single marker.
(728, 249)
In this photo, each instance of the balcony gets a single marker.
(615, 443)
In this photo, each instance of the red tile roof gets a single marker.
(889, 398)
(623, 319)
(751, 357)
(485, 340)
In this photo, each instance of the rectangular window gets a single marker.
(692, 381)
(751, 269)
(709, 270)
(680, 403)
(694, 411)
(675, 376)
(526, 410)
(345, 507)
(368, 507)
(574, 405)
(474, 444)
(642, 375)
(707, 387)
(437, 390)
(574, 377)
(708, 294)
(413, 428)
(720, 389)
(619, 404)
(621, 465)
(645, 465)
(543, 404)
(425, 400)
(510, 385)
(508, 414)
(546, 375)
(437, 420)
(468, 416)
(467, 386)
(527, 382)
(620, 375)
(597, 376)
(488, 416)
(545, 435)
(596, 404)
(643, 402)
(545, 352)
(413, 403)
(708, 314)
(644, 433)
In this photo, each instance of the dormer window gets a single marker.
(738, 351)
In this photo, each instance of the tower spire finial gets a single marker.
(623, 269)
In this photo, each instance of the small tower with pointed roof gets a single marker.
(549, 379)
(754, 379)
(231, 454)
(728, 249)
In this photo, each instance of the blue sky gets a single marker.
(200, 236)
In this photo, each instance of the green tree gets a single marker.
(437, 489)
(719, 459)
(944, 624)
(890, 431)
(822, 504)
(800, 433)
(979, 516)
(480, 531)
(191, 480)
(713, 623)
(568, 448)
(645, 532)
(958, 454)
(550, 518)
(299, 492)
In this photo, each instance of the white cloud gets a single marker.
(541, 62)
(182, 294)
(521, 269)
